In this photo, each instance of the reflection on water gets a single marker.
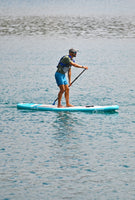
(86, 27)
(65, 121)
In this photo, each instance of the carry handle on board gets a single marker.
(70, 84)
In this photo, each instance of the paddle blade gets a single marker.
(54, 101)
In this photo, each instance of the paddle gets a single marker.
(70, 85)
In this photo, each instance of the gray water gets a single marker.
(52, 155)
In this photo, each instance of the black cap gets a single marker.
(72, 50)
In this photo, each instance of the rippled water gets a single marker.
(47, 155)
(86, 27)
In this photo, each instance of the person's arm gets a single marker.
(79, 66)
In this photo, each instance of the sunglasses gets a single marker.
(74, 52)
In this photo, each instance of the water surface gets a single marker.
(49, 155)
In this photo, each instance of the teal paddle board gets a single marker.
(45, 107)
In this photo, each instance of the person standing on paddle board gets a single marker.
(64, 66)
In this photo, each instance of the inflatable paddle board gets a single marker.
(45, 107)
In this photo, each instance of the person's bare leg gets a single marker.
(67, 96)
(62, 89)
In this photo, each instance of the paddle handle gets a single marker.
(70, 85)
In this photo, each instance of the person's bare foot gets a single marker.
(61, 106)
(69, 105)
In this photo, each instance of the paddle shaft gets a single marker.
(71, 84)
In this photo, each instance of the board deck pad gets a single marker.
(47, 107)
